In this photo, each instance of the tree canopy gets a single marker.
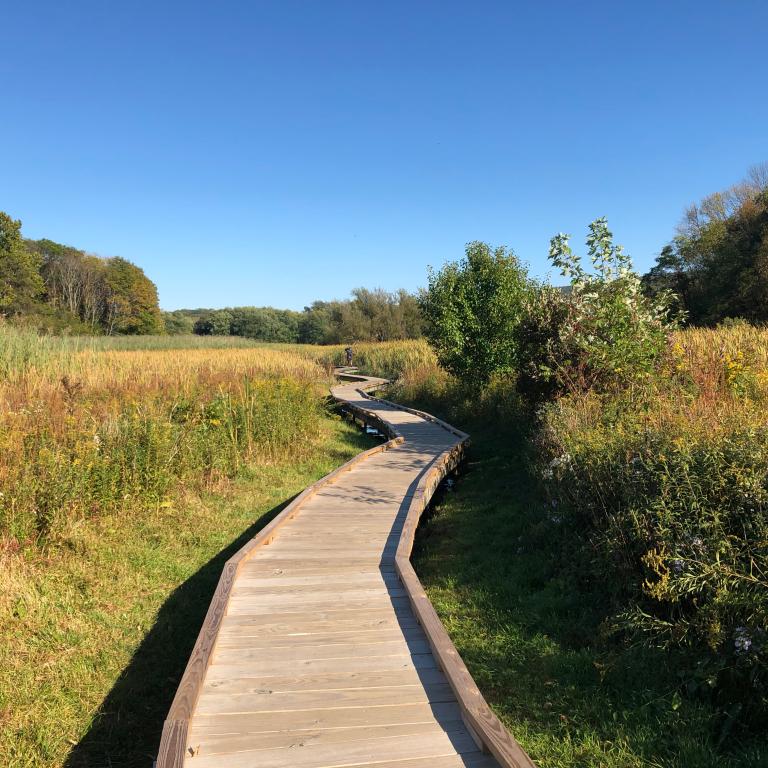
(20, 280)
(717, 265)
(60, 288)
(370, 315)
(472, 309)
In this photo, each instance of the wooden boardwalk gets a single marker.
(320, 648)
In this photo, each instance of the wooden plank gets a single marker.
(281, 580)
(335, 613)
(219, 669)
(227, 654)
(222, 743)
(343, 717)
(237, 638)
(293, 568)
(314, 593)
(327, 682)
(440, 744)
(213, 703)
(255, 607)
(323, 621)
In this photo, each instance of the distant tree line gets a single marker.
(59, 288)
(370, 315)
(717, 265)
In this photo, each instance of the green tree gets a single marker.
(216, 322)
(20, 281)
(178, 322)
(718, 262)
(316, 324)
(472, 308)
(132, 306)
(265, 324)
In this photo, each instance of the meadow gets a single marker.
(600, 565)
(128, 473)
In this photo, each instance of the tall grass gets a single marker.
(390, 359)
(85, 432)
(181, 341)
(666, 489)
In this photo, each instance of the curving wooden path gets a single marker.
(320, 648)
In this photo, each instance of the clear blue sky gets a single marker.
(278, 152)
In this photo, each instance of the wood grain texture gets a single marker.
(320, 646)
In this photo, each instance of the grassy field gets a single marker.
(127, 477)
(95, 635)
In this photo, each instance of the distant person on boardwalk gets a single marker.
(348, 353)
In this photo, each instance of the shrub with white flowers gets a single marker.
(601, 332)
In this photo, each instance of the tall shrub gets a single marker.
(472, 309)
(601, 333)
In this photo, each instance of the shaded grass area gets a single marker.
(489, 556)
(99, 630)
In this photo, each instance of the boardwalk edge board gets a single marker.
(482, 724)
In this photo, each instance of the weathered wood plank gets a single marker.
(342, 717)
(214, 703)
(320, 666)
(222, 743)
(439, 744)
(327, 682)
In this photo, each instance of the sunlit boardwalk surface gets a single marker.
(319, 660)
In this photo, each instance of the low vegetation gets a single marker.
(667, 488)
(109, 432)
(494, 558)
(127, 476)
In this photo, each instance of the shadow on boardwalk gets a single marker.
(125, 732)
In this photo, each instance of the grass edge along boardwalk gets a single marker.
(320, 647)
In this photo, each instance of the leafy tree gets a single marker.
(217, 322)
(20, 281)
(718, 262)
(132, 305)
(265, 324)
(178, 322)
(316, 324)
(472, 308)
(410, 322)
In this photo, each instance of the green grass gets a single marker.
(489, 558)
(95, 634)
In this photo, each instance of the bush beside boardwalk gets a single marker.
(548, 596)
